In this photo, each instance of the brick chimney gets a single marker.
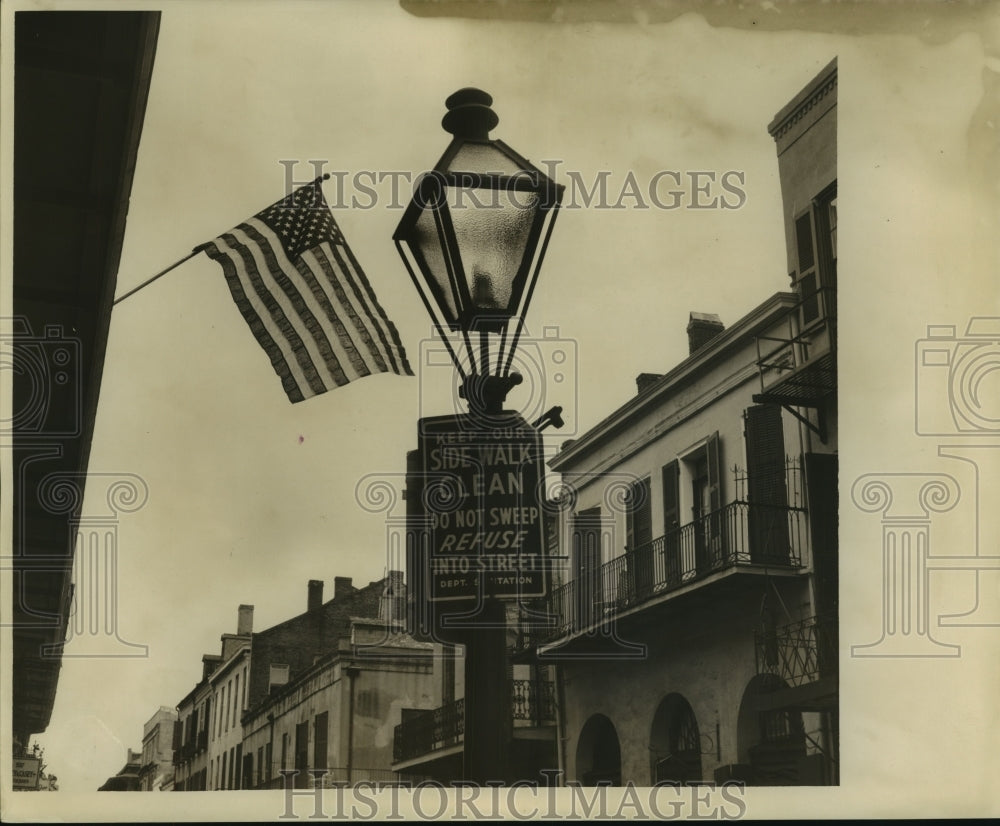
(701, 329)
(646, 380)
(315, 601)
(244, 620)
(342, 586)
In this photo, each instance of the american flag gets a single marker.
(306, 298)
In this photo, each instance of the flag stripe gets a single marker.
(281, 316)
(337, 317)
(344, 258)
(387, 330)
(299, 282)
(277, 350)
(326, 259)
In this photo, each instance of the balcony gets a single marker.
(739, 535)
(797, 363)
(532, 703)
(429, 731)
(801, 659)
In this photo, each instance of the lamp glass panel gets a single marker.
(427, 244)
(483, 159)
(492, 228)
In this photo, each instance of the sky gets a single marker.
(250, 496)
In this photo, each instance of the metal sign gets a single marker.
(481, 501)
(25, 772)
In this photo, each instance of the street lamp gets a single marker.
(473, 239)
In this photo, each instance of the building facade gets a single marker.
(322, 690)
(334, 722)
(191, 732)
(695, 635)
(156, 769)
(127, 780)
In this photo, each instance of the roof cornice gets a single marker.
(797, 108)
(654, 397)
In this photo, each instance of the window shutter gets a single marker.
(765, 440)
(714, 449)
(766, 494)
(672, 522)
(717, 544)
(640, 515)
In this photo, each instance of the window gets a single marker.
(321, 725)
(223, 771)
(268, 768)
(704, 547)
(586, 562)
(236, 702)
(816, 250)
(301, 755)
(260, 765)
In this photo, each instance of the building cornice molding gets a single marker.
(807, 100)
(643, 404)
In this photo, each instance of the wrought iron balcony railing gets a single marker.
(737, 534)
(429, 731)
(798, 653)
(533, 700)
(438, 728)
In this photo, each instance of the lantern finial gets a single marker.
(469, 114)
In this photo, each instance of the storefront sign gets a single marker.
(25, 772)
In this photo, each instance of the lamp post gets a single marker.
(473, 238)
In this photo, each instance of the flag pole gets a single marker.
(161, 273)
(324, 177)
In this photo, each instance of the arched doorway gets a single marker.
(674, 742)
(771, 740)
(598, 754)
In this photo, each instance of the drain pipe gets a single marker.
(352, 672)
(560, 724)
